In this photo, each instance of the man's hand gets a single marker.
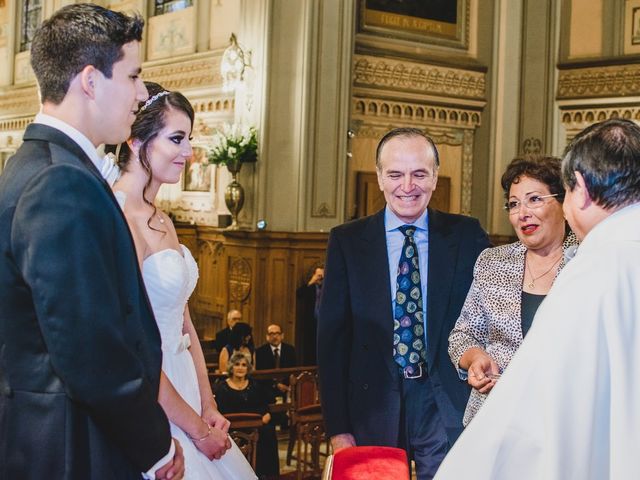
(213, 417)
(483, 371)
(342, 440)
(317, 277)
(214, 445)
(173, 470)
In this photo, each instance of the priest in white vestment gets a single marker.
(568, 406)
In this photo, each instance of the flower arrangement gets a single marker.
(234, 145)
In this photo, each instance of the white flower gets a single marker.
(231, 142)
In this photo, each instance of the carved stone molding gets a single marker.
(531, 146)
(15, 124)
(19, 102)
(391, 74)
(596, 82)
(216, 105)
(196, 71)
(413, 113)
(575, 120)
(580, 118)
(323, 210)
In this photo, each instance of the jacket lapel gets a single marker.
(36, 131)
(443, 248)
(376, 274)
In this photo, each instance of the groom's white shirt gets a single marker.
(87, 147)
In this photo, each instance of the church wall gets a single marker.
(518, 76)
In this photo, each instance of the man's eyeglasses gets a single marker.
(274, 333)
(530, 201)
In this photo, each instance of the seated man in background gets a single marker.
(223, 336)
(276, 354)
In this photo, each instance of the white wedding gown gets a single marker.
(170, 277)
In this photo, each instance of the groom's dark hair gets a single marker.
(76, 36)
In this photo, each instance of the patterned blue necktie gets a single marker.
(408, 324)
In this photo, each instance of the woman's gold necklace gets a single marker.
(532, 283)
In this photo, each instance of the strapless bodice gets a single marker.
(170, 277)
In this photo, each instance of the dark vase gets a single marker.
(234, 194)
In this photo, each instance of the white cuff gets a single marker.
(151, 473)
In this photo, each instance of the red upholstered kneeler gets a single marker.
(367, 463)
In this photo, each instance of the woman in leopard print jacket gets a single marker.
(510, 281)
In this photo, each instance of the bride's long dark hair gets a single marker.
(150, 119)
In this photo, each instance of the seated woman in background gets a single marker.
(511, 281)
(241, 394)
(240, 340)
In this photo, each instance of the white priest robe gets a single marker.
(568, 405)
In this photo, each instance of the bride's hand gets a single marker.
(213, 417)
(213, 444)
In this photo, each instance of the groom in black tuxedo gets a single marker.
(80, 353)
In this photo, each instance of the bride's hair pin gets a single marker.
(153, 99)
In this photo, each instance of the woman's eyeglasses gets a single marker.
(530, 201)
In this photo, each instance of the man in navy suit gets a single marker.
(80, 352)
(394, 286)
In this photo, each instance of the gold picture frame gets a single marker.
(632, 27)
(198, 173)
(442, 22)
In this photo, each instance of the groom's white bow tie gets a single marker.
(110, 171)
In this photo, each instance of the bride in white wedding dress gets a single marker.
(155, 154)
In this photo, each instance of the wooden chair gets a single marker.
(306, 429)
(244, 431)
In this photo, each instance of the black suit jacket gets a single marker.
(80, 353)
(358, 377)
(222, 339)
(266, 361)
(306, 324)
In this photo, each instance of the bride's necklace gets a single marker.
(532, 283)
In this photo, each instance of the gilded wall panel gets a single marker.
(586, 28)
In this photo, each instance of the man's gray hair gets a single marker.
(607, 155)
